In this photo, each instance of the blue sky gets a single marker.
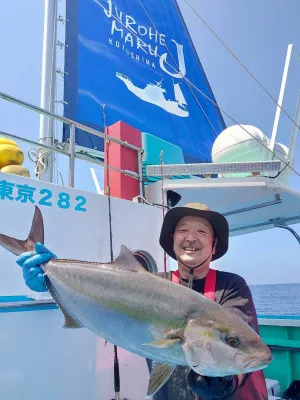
(258, 32)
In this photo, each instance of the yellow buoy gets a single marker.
(10, 155)
(16, 170)
(4, 140)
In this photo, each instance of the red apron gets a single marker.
(210, 283)
(256, 380)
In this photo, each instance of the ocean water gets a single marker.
(277, 299)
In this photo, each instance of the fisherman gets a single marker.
(193, 235)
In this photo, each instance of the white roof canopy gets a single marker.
(250, 204)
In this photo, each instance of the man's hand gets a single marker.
(30, 262)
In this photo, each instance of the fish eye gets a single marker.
(232, 341)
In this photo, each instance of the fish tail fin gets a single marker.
(36, 234)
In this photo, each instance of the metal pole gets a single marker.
(140, 172)
(261, 205)
(65, 152)
(294, 132)
(34, 143)
(96, 182)
(68, 121)
(281, 93)
(72, 156)
(293, 232)
(48, 85)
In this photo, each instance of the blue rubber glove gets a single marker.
(32, 273)
(212, 388)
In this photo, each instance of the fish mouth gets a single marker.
(257, 363)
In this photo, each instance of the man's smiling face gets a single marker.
(193, 240)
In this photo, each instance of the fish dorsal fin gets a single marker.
(127, 260)
(70, 320)
(160, 373)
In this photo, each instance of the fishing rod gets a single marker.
(163, 203)
(107, 192)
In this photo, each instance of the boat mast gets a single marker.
(294, 132)
(280, 99)
(46, 135)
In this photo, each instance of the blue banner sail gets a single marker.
(136, 58)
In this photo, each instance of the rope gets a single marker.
(240, 62)
(195, 97)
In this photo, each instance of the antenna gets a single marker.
(48, 86)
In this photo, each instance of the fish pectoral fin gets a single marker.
(159, 375)
(70, 320)
(162, 344)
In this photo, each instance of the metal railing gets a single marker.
(71, 152)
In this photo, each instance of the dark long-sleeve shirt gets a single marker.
(234, 294)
